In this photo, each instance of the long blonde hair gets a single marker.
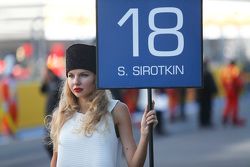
(98, 107)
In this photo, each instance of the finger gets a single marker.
(146, 109)
(145, 113)
(154, 122)
(151, 112)
(151, 117)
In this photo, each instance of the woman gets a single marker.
(87, 125)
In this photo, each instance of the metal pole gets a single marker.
(151, 142)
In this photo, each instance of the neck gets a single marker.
(84, 105)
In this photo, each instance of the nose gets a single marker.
(76, 80)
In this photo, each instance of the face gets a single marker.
(81, 82)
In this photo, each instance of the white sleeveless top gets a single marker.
(98, 150)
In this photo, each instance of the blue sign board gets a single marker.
(149, 44)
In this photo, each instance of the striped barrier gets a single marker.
(8, 108)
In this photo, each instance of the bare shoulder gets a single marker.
(121, 112)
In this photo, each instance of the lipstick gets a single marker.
(77, 90)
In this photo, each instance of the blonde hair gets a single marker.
(98, 107)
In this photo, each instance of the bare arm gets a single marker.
(135, 155)
(53, 160)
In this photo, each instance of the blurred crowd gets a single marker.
(228, 82)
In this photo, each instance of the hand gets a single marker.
(149, 117)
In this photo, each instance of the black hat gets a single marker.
(81, 56)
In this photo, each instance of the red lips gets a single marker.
(77, 90)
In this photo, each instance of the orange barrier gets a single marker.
(8, 109)
(26, 111)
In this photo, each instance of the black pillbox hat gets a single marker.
(81, 56)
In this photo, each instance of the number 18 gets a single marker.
(155, 30)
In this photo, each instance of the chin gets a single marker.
(78, 95)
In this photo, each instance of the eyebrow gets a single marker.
(85, 72)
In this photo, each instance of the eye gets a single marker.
(70, 75)
(84, 74)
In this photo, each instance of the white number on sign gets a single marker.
(155, 30)
(134, 13)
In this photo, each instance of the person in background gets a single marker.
(88, 124)
(173, 102)
(205, 97)
(117, 94)
(232, 84)
(183, 93)
(160, 99)
(130, 97)
(246, 77)
(50, 87)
